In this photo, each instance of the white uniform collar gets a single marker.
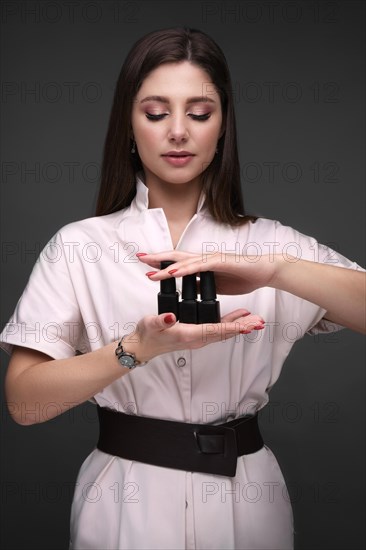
(141, 200)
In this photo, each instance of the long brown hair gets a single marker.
(221, 179)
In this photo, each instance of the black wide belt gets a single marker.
(183, 446)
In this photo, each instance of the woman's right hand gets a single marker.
(158, 334)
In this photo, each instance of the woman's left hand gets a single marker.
(339, 291)
(234, 274)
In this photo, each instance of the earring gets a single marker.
(133, 148)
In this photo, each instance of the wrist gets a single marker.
(128, 352)
(279, 267)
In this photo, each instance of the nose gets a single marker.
(178, 131)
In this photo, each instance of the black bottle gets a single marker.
(168, 295)
(188, 306)
(208, 307)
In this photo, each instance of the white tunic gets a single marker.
(86, 290)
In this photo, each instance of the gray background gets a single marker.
(297, 69)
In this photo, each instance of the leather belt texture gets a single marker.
(204, 448)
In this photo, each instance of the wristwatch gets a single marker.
(125, 358)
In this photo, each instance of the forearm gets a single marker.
(34, 383)
(340, 291)
(49, 388)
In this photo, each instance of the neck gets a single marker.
(179, 201)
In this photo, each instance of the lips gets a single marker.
(177, 154)
(178, 159)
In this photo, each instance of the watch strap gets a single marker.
(120, 353)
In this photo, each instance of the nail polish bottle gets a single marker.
(208, 307)
(188, 306)
(168, 295)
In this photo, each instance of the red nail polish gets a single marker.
(138, 254)
(259, 327)
(172, 271)
(149, 273)
(244, 331)
(168, 318)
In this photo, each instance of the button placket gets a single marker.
(183, 365)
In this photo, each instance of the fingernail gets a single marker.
(172, 271)
(149, 273)
(244, 331)
(138, 254)
(168, 318)
(259, 327)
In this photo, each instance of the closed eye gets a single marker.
(202, 117)
(155, 117)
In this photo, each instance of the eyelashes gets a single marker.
(149, 116)
(203, 117)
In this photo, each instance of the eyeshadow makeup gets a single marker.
(208, 307)
(188, 305)
(168, 295)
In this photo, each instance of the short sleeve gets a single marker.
(296, 246)
(47, 317)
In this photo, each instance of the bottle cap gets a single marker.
(189, 287)
(167, 286)
(207, 286)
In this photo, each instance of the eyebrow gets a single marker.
(162, 99)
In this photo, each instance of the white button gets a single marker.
(181, 362)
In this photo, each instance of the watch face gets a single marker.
(127, 361)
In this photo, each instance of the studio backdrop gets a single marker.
(298, 83)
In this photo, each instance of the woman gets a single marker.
(170, 190)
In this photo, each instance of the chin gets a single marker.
(178, 177)
(181, 179)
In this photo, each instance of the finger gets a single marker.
(250, 320)
(180, 268)
(234, 315)
(155, 259)
(254, 323)
(159, 322)
(212, 332)
(165, 320)
(247, 323)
